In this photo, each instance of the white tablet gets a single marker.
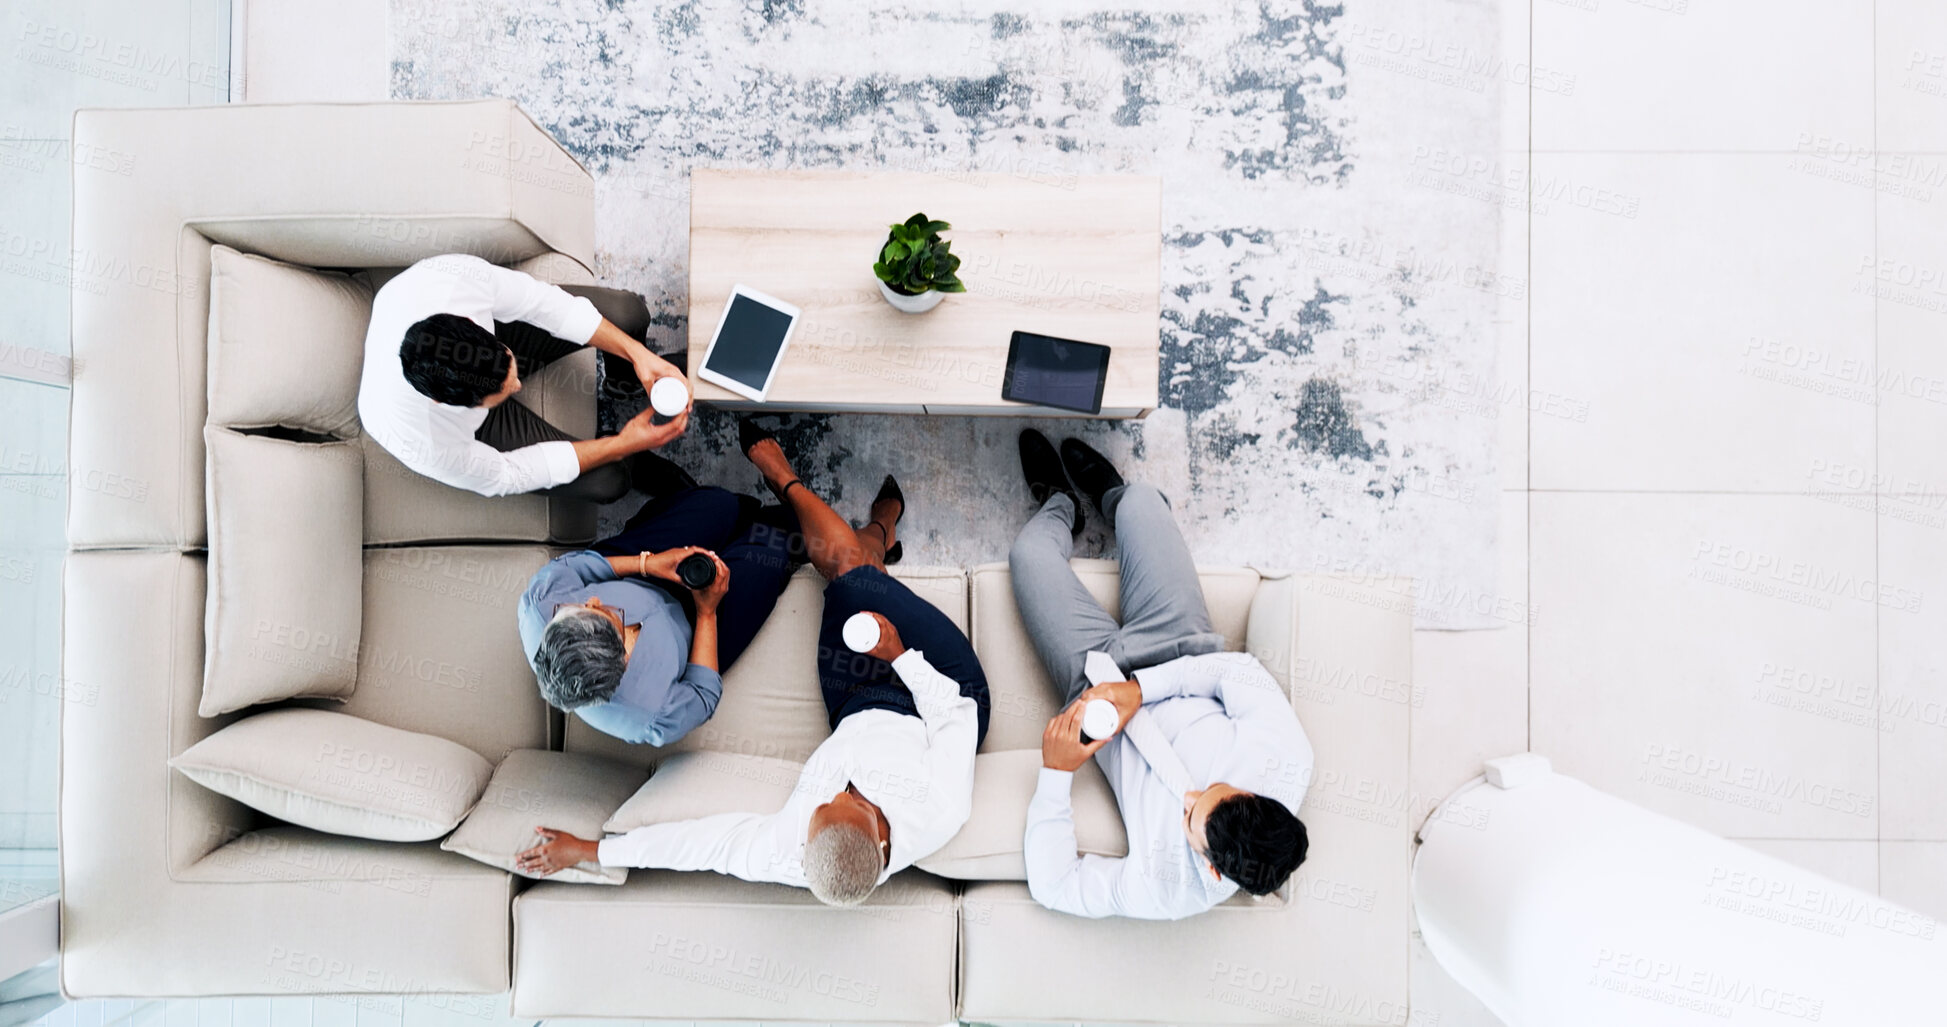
(749, 343)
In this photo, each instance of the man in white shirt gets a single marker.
(1208, 762)
(894, 781)
(451, 338)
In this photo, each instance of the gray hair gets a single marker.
(580, 661)
(841, 864)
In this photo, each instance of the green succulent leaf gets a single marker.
(915, 258)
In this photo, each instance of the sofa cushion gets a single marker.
(339, 774)
(535, 788)
(688, 785)
(286, 344)
(702, 946)
(283, 615)
(771, 703)
(1022, 695)
(440, 652)
(404, 506)
(988, 848)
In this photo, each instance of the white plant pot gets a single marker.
(919, 304)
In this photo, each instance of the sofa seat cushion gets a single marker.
(283, 617)
(702, 946)
(340, 774)
(404, 507)
(1023, 696)
(771, 704)
(988, 848)
(688, 785)
(440, 652)
(1322, 959)
(535, 788)
(286, 344)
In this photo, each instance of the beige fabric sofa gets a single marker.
(171, 889)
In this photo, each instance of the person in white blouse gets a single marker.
(894, 781)
(1208, 762)
(449, 341)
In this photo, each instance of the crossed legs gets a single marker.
(832, 545)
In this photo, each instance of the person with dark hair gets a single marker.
(1207, 760)
(894, 780)
(451, 339)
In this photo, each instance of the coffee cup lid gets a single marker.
(1099, 718)
(669, 396)
(861, 632)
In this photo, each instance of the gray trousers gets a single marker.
(1163, 614)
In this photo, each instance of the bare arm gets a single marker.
(629, 566)
(648, 366)
(703, 641)
(641, 433)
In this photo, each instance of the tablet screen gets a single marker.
(748, 343)
(1053, 372)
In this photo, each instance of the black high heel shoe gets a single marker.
(749, 434)
(889, 489)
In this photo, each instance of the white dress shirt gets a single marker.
(917, 770)
(436, 439)
(1227, 720)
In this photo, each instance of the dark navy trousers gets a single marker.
(760, 545)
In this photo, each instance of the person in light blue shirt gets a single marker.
(615, 638)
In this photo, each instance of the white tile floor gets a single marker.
(1724, 524)
(1738, 258)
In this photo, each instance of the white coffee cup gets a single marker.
(669, 396)
(1100, 718)
(861, 632)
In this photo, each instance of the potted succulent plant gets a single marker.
(914, 268)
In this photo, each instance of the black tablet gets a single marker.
(1051, 372)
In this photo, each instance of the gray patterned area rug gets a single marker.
(1330, 243)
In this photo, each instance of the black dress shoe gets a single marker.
(656, 476)
(1090, 471)
(1042, 467)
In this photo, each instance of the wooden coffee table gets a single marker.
(1077, 257)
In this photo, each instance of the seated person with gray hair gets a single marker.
(894, 781)
(616, 638)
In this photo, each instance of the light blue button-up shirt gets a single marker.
(662, 696)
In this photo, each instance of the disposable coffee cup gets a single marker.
(697, 571)
(667, 398)
(861, 632)
(1099, 719)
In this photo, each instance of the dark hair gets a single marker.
(451, 360)
(1255, 841)
(580, 660)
